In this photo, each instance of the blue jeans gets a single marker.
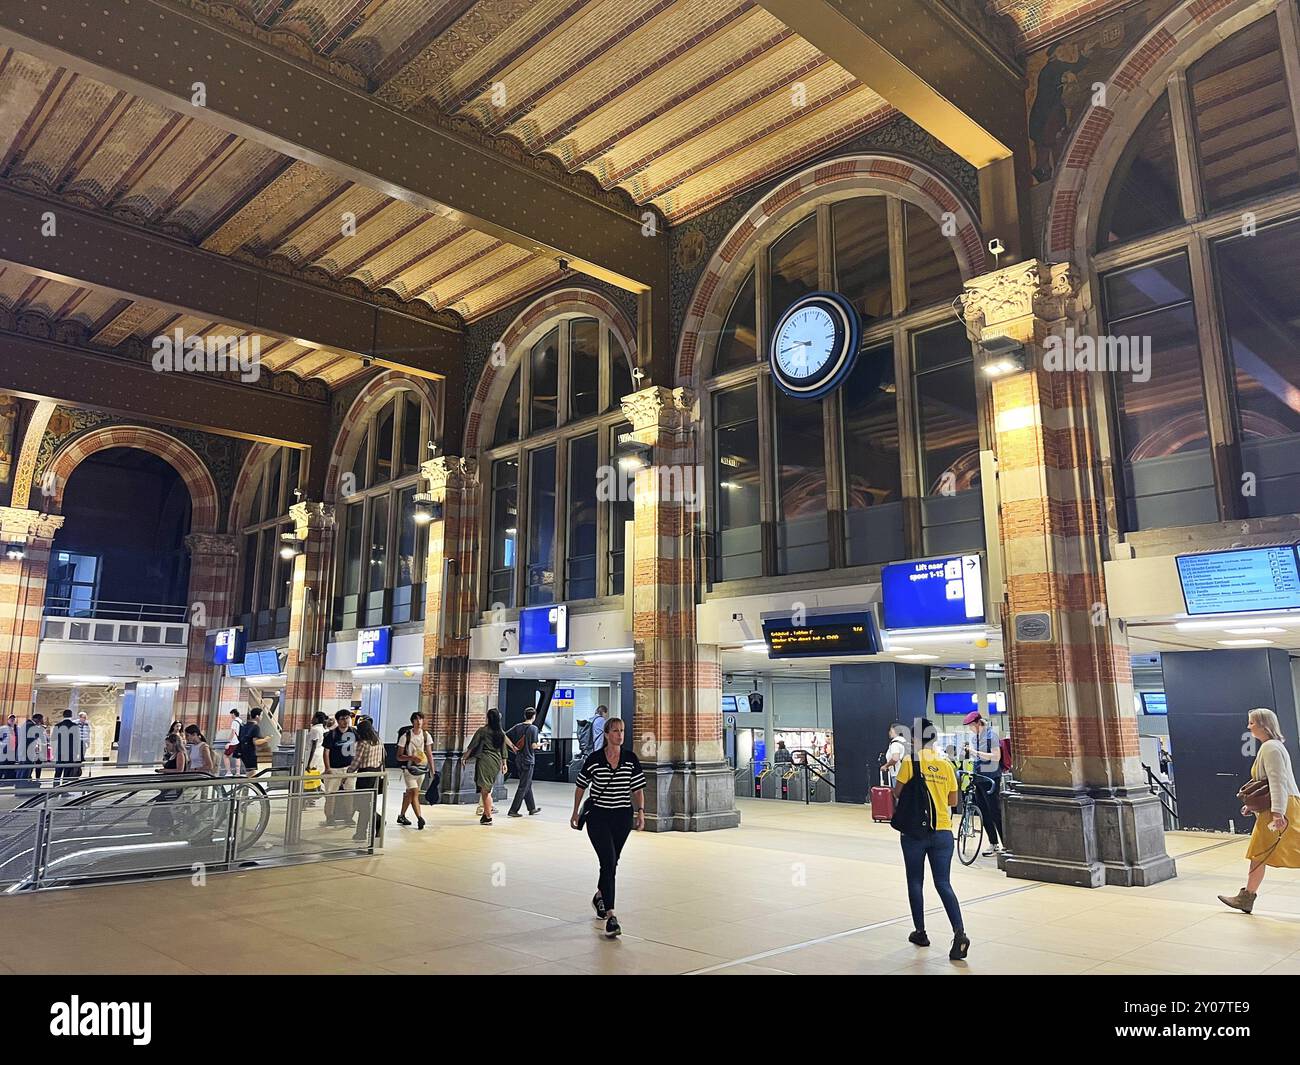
(938, 847)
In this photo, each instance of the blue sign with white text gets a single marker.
(228, 646)
(933, 592)
(375, 646)
(1256, 578)
(543, 630)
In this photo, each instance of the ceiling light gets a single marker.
(1266, 629)
(1238, 619)
(920, 658)
(758, 647)
(1245, 643)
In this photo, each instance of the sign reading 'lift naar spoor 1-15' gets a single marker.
(930, 593)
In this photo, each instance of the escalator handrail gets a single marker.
(80, 787)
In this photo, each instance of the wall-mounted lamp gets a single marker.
(290, 546)
(1003, 356)
(427, 509)
(15, 552)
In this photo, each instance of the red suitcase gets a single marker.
(882, 802)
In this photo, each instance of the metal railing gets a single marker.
(64, 606)
(139, 826)
(794, 781)
(1166, 794)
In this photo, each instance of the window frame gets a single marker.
(272, 516)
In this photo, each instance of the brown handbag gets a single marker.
(1254, 796)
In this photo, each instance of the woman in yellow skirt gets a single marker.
(1276, 838)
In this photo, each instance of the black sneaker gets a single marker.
(919, 938)
(960, 946)
(485, 820)
(612, 930)
(534, 810)
(403, 821)
(514, 813)
(598, 904)
(419, 821)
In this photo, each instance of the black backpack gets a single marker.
(914, 813)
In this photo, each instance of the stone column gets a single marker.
(455, 692)
(213, 560)
(677, 683)
(22, 601)
(1080, 813)
(313, 583)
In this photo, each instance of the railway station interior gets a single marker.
(759, 374)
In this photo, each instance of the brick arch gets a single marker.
(838, 179)
(1190, 30)
(246, 483)
(368, 400)
(496, 379)
(204, 504)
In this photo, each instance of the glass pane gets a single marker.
(249, 600)
(1242, 111)
(283, 589)
(584, 368)
(545, 357)
(257, 509)
(507, 430)
(406, 572)
(933, 275)
(274, 504)
(295, 473)
(801, 530)
(268, 564)
(737, 345)
(360, 463)
(872, 479)
(378, 558)
(794, 268)
(1143, 194)
(384, 424)
(739, 541)
(352, 551)
(505, 532)
(580, 551)
(1259, 286)
(947, 421)
(540, 578)
(620, 509)
(861, 229)
(620, 374)
(1138, 290)
(410, 434)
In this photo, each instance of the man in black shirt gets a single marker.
(524, 736)
(248, 734)
(68, 750)
(340, 749)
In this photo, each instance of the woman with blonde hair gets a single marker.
(1276, 838)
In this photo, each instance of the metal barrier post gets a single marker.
(232, 825)
(381, 805)
(293, 815)
(40, 847)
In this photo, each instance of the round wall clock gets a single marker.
(815, 344)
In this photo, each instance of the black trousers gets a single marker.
(524, 789)
(990, 804)
(608, 831)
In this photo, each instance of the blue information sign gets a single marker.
(1154, 703)
(543, 630)
(263, 663)
(228, 646)
(964, 702)
(1229, 582)
(375, 646)
(934, 592)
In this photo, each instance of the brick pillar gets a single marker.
(22, 601)
(213, 558)
(455, 692)
(1080, 813)
(677, 722)
(313, 582)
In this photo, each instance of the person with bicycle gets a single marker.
(987, 756)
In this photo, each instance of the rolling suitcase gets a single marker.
(882, 801)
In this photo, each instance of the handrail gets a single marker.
(1161, 789)
(114, 610)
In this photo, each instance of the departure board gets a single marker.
(1230, 582)
(822, 635)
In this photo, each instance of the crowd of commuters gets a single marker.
(29, 745)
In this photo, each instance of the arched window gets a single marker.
(267, 579)
(382, 548)
(1196, 251)
(887, 466)
(553, 533)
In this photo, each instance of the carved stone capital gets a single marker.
(212, 544)
(449, 473)
(311, 518)
(1016, 301)
(657, 407)
(20, 524)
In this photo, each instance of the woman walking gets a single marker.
(199, 755)
(415, 752)
(934, 843)
(488, 746)
(370, 757)
(617, 805)
(1276, 838)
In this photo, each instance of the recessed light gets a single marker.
(1267, 629)
(920, 658)
(1245, 643)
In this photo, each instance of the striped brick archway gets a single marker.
(204, 506)
(496, 379)
(826, 182)
(246, 484)
(368, 400)
(1181, 37)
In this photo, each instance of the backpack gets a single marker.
(1006, 754)
(914, 812)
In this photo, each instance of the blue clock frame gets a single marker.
(848, 340)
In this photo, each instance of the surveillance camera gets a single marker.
(996, 247)
(147, 668)
(737, 617)
(366, 360)
(564, 265)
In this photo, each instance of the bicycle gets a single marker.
(970, 831)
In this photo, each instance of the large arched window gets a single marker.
(267, 579)
(1198, 255)
(382, 548)
(553, 534)
(887, 466)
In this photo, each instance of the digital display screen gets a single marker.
(850, 633)
(264, 663)
(933, 592)
(1154, 703)
(227, 646)
(1228, 582)
(729, 704)
(543, 630)
(375, 646)
(964, 702)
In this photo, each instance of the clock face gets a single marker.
(814, 344)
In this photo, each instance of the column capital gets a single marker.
(449, 472)
(207, 543)
(19, 522)
(1013, 301)
(311, 517)
(658, 407)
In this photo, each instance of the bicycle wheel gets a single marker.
(970, 835)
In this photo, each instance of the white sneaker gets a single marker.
(989, 852)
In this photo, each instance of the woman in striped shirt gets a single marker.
(617, 805)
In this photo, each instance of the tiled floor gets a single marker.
(793, 890)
